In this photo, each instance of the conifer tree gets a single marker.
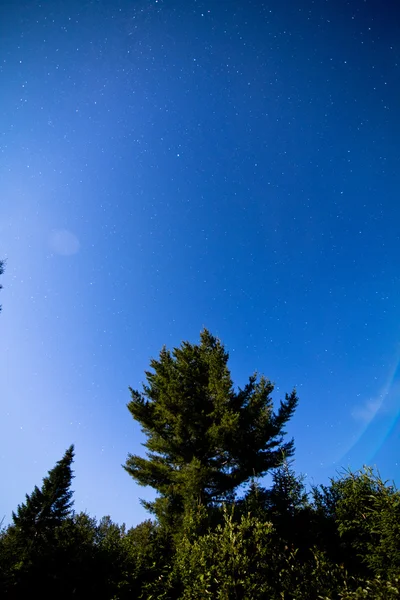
(34, 551)
(47, 507)
(204, 438)
(287, 496)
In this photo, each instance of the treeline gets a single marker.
(216, 531)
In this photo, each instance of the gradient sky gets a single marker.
(173, 164)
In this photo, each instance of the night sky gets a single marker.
(173, 164)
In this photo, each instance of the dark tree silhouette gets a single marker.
(47, 507)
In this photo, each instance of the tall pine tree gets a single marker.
(34, 557)
(204, 438)
(47, 507)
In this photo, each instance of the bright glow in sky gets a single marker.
(168, 165)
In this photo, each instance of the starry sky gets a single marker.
(173, 164)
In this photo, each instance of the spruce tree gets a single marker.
(289, 509)
(34, 550)
(47, 507)
(288, 496)
(204, 438)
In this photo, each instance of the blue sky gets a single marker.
(169, 165)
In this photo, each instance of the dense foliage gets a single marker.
(212, 537)
(204, 439)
